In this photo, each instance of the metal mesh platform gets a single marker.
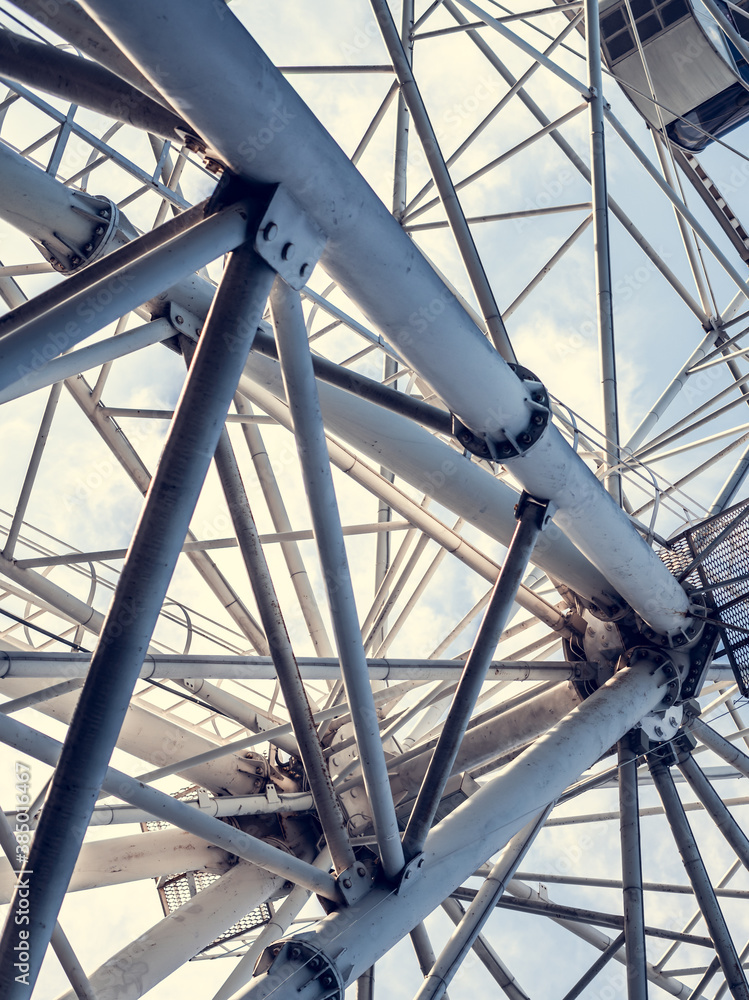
(178, 889)
(712, 560)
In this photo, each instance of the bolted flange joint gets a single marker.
(301, 966)
(510, 446)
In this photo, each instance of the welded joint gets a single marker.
(511, 445)
(104, 217)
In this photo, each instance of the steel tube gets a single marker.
(715, 806)
(16, 663)
(140, 591)
(409, 92)
(531, 514)
(602, 253)
(481, 907)
(184, 933)
(276, 927)
(396, 282)
(719, 745)
(487, 955)
(277, 510)
(600, 963)
(164, 808)
(85, 83)
(481, 826)
(634, 917)
(43, 373)
(698, 876)
(301, 391)
(112, 287)
(431, 466)
(289, 678)
(33, 467)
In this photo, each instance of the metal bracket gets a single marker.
(510, 446)
(289, 240)
(354, 882)
(411, 870)
(104, 217)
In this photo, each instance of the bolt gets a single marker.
(537, 419)
(89, 247)
(327, 980)
(99, 230)
(538, 397)
(407, 875)
(258, 770)
(270, 232)
(347, 883)
(179, 320)
(315, 963)
(524, 438)
(421, 862)
(672, 721)
(104, 214)
(658, 731)
(295, 953)
(361, 870)
(288, 251)
(75, 261)
(303, 270)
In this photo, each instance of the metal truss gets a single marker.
(363, 372)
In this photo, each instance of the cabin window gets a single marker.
(651, 17)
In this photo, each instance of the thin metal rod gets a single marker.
(602, 250)
(301, 392)
(632, 893)
(17, 663)
(443, 181)
(580, 165)
(715, 806)
(140, 592)
(281, 522)
(483, 904)
(487, 955)
(294, 693)
(698, 876)
(526, 47)
(33, 468)
(531, 514)
(600, 963)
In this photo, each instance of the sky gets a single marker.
(83, 499)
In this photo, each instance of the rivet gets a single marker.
(270, 232)
(288, 251)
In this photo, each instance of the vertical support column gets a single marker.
(301, 392)
(599, 197)
(400, 167)
(531, 514)
(126, 633)
(695, 869)
(634, 919)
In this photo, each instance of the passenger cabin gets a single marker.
(696, 71)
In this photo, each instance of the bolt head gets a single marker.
(361, 870)
(304, 270)
(179, 320)
(270, 232)
(347, 883)
(288, 251)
